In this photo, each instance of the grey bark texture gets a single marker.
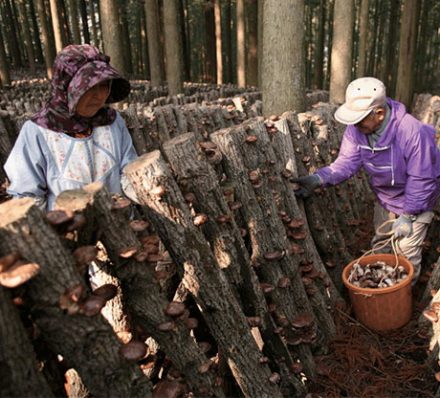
(197, 177)
(407, 51)
(363, 35)
(55, 12)
(111, 33)
(143, 298)
(103, 370)
(241, 44)
(342, 43)
(168, 212)
(45, 38)
(173, 47)
(282, 69)
(19, 374)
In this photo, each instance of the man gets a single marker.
(400, 155)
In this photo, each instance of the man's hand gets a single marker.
(307, 185)
(403, 227)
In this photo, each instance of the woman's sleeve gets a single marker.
(128, 152)
(26, 166)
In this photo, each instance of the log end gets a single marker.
(74, 200)
(14, 209)
(142, 162)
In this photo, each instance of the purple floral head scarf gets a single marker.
(77, 68)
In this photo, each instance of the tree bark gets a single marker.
(35, 33)
(363, 35)
(218, 40)
(12, 35)
(74, 22)
(154, 47)
(283, 57)
(24, 22)
(84, 22)
(103, 370)
(111, 34)
(340, 74)
(198, 177)
(5, 77)
(210, 42)
(202, 275)
(318, 72)
(143, 298)
(60, 41)
(252, 44)
(94, 25)
(19, 375)
(241, 45)
(173, 47)
(407, 44)
(45, 38)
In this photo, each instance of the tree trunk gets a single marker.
(111, 34)
(35, 33)
(19, 374)
(73, 10)
(283, 57)
(218, 40)
(143, 297)
(65, 22)
(227, 36)
(84, 22)
(146, 73)
(318, 72)
(227, 244)
(252, 47)
(202, 276)
(125, 40)
(12, 35)
(24, 229)
(210, 42)
(173, 47)
(363, 35)
(60, 42)
(391, 64)
(5, 78)
(154, 47)
(407, 44)
(47, 44)
(94, 24)
(24, 22)
(340, 75)
(241, 45)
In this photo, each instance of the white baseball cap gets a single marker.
(361, 97)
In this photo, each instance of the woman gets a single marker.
(75, 139)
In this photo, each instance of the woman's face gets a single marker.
(93, 99)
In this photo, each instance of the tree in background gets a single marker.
(282, 75)
(363, 34)
(173, 47)
(340, 74)
(407, 47)
(111, 34)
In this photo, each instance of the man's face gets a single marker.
(372, 121)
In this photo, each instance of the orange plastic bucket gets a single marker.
(382, 308)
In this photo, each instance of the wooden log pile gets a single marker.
(223, 284)
(243, 270)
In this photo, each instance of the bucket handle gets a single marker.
(380, 245)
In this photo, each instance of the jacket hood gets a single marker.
(77, 68)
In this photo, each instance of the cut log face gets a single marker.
(202, 276)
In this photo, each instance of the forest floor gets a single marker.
(363, 363)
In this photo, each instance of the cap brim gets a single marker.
(347, 116)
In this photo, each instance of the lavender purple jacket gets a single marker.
(403, 166)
